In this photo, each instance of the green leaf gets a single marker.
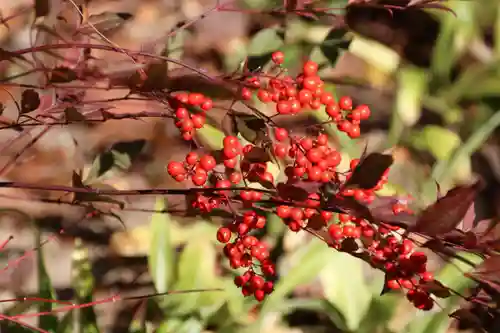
(439, 141)
(310, 260)
(210, 137)
(49, 322)
(334, 44)
(83, 284)
(196, 270)
(161, 255)
(264, 42)
(346, 289)
(477, 139)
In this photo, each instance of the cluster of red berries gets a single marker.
(306, 92)
(308, 159)
(248, 252)
(405, 268)
(190, 111)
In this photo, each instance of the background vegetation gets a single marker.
(432, 82)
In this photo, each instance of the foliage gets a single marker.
(281, 201)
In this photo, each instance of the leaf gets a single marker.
(161, 256)
(196, 270)
(308, 261)
(333, 43)
(436, 288)
(45, 290)
(30, 101)
(106, 21)
(251, 127)
(447, 212)
(489, 270)
(42, 8)
(83, 283)
(257, 155)
(369, 171)
(264, 42)
(62, 75)
(467, 319)
(346, 289)
(382, 209)
(292, 192)
(9, 55)
(71, 114)
(350, 206)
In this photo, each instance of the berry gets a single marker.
(310, 68)
(207, 162)
(345, 103)
(278, 57)
(280, 134)
(175, 169)
(223, 235)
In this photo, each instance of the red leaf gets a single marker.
(291, 192)
(447, 212)
(368, 172)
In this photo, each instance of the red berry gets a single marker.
(310, 68)
(354, 132)
(199, 178)
(223, 235)
(259, 295)
(283, 107)
(278, 57)
(280, 150)
(393, 284)
(364, 112)
(246, 93)
(280, 134)
(207, 105)
(314, 155)
(264, 96)
(235, 177)
(333, 110)
(345, 103)
(283, 211)
(207, 162)
(327, 98)
(305, 96)
(257, 282)
(335, 232)
(175, 169)
(181, 113)
(191, 158)
(198, 120)
(196, 98)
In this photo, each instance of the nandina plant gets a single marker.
(237, 181)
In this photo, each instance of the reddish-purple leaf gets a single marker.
(446, 213)
(62, 75)
(30, 101)
(42, 8)
(350, 206)
(291, 192)
(257, 155)
(466, 318)
(489, 270)
(436, 288)
(369, 171)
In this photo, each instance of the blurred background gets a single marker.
(432, 81)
